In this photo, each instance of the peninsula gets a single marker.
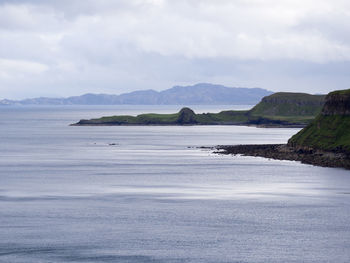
(278, 109)
(324, 142)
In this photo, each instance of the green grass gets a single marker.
(113, 119)
(153, 118)
(224, 117)
(289, 104)
(150, 118)
(341, 92)
(330, 133)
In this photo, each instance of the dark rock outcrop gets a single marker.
(337, 103)
(186, 116)
(285, 152)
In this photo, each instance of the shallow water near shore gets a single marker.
(147, 194)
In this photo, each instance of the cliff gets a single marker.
(330, 131)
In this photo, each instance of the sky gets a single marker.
(71, 47)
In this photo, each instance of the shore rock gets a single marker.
(286, 152)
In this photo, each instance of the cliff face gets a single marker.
(337, 103)
(330, 131)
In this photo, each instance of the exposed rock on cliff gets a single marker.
(286, 152)
(337, 103)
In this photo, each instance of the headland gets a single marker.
(324, 142)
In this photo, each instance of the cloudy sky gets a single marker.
(71, 47)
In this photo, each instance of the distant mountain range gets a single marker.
(199, 94)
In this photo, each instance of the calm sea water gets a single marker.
(146, 194)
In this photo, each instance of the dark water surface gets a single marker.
(140, 194)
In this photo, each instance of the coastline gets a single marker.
(286, 152)
(195, 124)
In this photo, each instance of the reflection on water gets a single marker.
(147, 194)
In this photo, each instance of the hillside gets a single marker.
(289, 104)
(324, 142)
(199, 94)
(303, 105)
(330, 131)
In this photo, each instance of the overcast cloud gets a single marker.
(70, 47)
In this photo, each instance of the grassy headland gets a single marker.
(330, 131)
(279, 109)
(324, 142)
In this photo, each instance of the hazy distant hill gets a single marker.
(202, 93)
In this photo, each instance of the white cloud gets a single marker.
(238, 29)
(9, 67)
(65, 40)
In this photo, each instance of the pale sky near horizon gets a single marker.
(70, 47)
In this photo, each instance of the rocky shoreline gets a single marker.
(286, 152)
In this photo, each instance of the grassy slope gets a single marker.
(325, 133)
(150, 118)
(290, 107)
(233, 117)
(329, 132)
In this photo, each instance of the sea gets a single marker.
(149, 194)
